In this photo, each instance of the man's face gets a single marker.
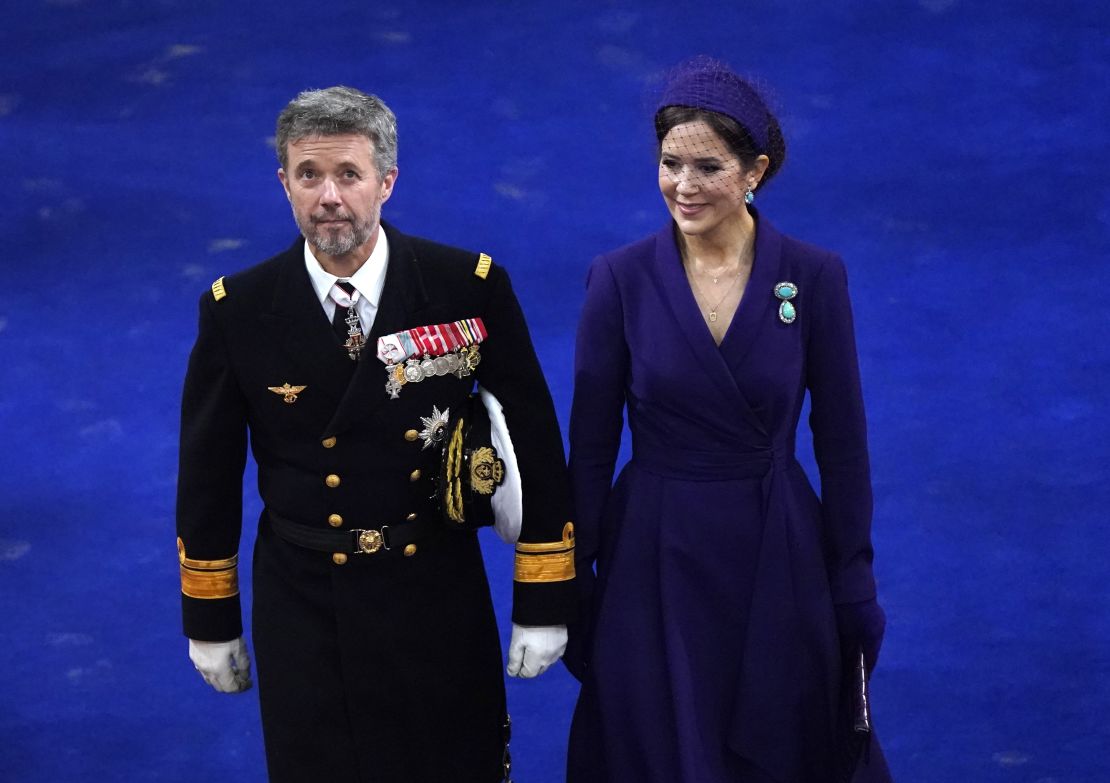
(336, 194)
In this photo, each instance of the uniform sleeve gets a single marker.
(840, 437)
(210, 486)
(543, 584)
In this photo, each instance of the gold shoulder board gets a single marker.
(218, 289)
(482, 269)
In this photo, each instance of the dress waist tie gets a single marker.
(768, 726)
(691, 465)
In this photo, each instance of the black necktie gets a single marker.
(339, 320)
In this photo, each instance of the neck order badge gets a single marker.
(345, 322)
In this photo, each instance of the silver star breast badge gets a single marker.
(435, 427)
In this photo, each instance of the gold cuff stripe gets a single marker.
(553, 546)
(482, 269)
(535, 569)
(211, 565)
(204, 565)
(208, 578)
(210, 584)
(218, 289)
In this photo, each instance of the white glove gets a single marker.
(226, 666)
(533, 649)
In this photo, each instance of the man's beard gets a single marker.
(337, 241)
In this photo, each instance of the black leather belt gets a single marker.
(366, 541)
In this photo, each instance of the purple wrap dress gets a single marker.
(708, 646)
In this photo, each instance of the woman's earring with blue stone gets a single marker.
(786, 291)
(749, 196)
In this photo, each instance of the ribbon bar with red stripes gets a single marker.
(432, 340)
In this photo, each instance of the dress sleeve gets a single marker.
(597, 412)
(840, 437)
(213, 453)
(543, 583)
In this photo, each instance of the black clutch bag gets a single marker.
(854, 731)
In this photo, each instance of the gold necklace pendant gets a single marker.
(713, 308)
(693, 274)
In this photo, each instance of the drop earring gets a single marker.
(749, 196)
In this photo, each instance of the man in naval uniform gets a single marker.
(376, 648)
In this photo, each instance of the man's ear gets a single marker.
(388, 181)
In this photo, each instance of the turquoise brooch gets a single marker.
(786, 291)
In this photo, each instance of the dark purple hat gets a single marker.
(705, 83)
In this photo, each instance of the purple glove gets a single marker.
(580, 632)
(861, 625)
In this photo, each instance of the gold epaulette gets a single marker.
(551, 562)
(218, 289)
(207, 579)
(482, 269)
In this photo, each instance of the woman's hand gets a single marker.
(861, 626)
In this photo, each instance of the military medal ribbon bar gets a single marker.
(414, 354)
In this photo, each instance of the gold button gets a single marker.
(411, 516)
(328, 443)
(339, 558)
(411, 435)
(332, 480)
(415, 475)
(335, 520)
(410, 550)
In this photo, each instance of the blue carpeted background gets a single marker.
(955, 152)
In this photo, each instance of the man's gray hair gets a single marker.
(338, 111)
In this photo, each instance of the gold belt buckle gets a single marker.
(371, 541)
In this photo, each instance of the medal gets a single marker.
(393, 384)
(354, 327)
(413, 373)
(353, 346)
(423, 352)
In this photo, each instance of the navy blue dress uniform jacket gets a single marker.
(383, 666)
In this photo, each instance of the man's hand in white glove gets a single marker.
(226, 666)
(535, 648)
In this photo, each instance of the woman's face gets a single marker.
(701, 180)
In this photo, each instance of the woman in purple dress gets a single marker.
(729, 601)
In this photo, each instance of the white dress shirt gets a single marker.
(368, 281)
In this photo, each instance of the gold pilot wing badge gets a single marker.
(289, 393)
